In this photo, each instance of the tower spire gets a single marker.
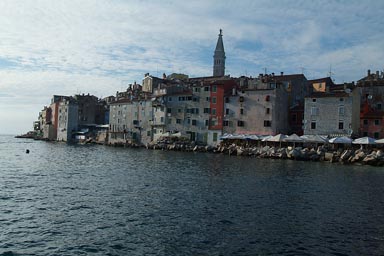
(219, 57)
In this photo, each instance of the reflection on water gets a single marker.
(81, 200)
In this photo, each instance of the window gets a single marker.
(294, 118)
(313, 100)
(241, 111)
(169, 110)
(178, 121)
(341, 125)
(267, 98)
(314, 111)
(213, 111)
(179, 110)
(162, 119)
(169, 98)
(207, 111)
(341, 110)
(169, 121)
(267, 111)
(377, 122)
(206, 122)
(214, 88)
(376, 135)
(227, 111)
(206, 89)
(267, 123)
(194, 122)
(378, 106)
(208, 99)
(241, 99)
(213, 100)
(341, 99)
(313, 125)
(225, 123)
(365, 134)
(240, 123)
(365, 122)
(226, 99)
(215, 136)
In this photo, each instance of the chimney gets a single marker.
(369, 72)
(281, 73)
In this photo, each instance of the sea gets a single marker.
(61, 199)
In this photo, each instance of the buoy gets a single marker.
(27, 151)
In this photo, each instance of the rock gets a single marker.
(380, 153)
(359, 156)
(295, 154)
(315, 157)
(346, 155)
(328, 156)
(370, 159)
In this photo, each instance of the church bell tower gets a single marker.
(219, 57)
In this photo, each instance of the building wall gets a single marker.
(130, 122)
(262, 112)
(319, 87)
(332, 114)
(67, 120)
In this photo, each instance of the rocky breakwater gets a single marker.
(322, 153)
(360, 156)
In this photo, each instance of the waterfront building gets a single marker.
(129, 121)
(334, 113)
(68, 116)
(259, 109)
(219, 57)
(372, 101)
(50, 132)
(47, 129)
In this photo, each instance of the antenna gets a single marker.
(330, 73)
(265, 71)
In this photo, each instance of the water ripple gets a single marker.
(95, 200)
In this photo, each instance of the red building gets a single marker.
(220, 91)
(371, 122)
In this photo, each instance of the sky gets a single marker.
(53, 47)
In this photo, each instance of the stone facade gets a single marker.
(67, 120)
(257, 111)
(332, 113)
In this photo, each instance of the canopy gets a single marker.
(277, 138)
(341, 140)
(381, 141)
(266, 138)
(364, 140)
(314, 138)
(252, 137)
(293, 138)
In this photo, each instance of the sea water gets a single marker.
(61, 199)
